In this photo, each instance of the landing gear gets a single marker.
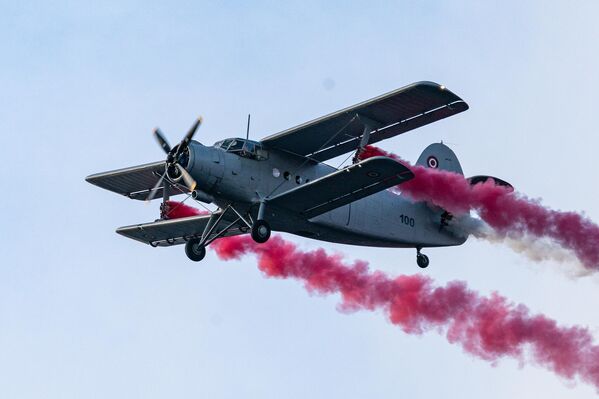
(220, 224)
(421, 259)
(261, 228)
(260, 231)
(216, 226)
(195, 250)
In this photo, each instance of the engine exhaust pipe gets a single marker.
(202, 196)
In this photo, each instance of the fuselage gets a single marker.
(384, 219)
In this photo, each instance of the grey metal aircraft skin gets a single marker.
(382, 219)
(281, 183)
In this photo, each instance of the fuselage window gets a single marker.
(286, 175)
(276, 172)
(298, 179)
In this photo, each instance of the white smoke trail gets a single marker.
(534, 248)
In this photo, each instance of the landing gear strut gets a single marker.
(421, 259)
(215, 228)
(218, 226)
(195, 250)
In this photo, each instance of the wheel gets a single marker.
(194, 250)
(422, 260)
(260, 231)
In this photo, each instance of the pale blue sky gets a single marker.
(87, 313)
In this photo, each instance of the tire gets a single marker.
(422, 261)
(261, 231)
(194, 250)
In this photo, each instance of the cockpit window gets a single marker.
(223, 144)
(250, 147)
(244, 148)
(236, 145)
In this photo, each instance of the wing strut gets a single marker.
(369, 126)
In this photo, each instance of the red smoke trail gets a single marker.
(176, 210)
(502, 209)
(487, 327)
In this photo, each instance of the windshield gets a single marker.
(243, 147)
(236, 145)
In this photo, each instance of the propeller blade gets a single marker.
(188, 137)
(155, 188)
(189, 181)
(192, 130)
(162, 141)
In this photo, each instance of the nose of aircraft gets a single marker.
(205, 165)
(177, 159)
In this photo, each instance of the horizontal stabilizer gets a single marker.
(343, 186)
(481, 179)
(173, 231)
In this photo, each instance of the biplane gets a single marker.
(282, 183)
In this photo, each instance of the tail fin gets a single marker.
(440, 156)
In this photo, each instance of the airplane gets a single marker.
(281, 182)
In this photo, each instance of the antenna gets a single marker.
(247, 132)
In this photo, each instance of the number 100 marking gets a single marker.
(408, 221)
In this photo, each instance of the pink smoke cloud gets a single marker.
(487, 327)
(177, 210)
(501, 208)
(490, 327)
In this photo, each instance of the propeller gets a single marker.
(188, 137)
(154, 189)
(189, 181)
(162, 140)
(173, 159)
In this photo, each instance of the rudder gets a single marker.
(440, 156)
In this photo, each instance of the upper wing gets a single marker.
(134, 182)
(387, 115)
(174, 231)
(343, 186)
